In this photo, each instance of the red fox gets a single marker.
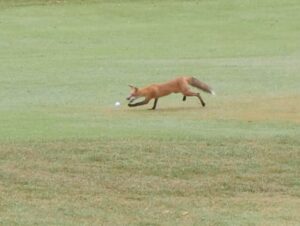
(178, 85)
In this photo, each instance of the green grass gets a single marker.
(69, 157)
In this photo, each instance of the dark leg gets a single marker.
(154, 105)
(201, 100)
(184, 98)
(189, 93)
(146, 101)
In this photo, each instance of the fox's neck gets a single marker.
(142, 92)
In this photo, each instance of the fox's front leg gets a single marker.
(146, 101)
(154, 105)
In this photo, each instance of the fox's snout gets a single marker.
(131, 98)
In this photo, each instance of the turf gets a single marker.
(68, 156)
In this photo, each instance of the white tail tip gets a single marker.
(213, 93)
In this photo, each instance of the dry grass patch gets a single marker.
(109, 182)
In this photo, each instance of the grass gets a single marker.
(69, 157)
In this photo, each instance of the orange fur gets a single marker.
(178, 85)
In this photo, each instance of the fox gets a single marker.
(178, 85)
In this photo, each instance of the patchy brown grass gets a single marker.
(244, 108)
(281, 108)
(126, 182)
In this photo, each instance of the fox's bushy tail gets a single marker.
(201, 85)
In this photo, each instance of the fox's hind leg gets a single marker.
(201, 100)
(184, 98)
(192, 94)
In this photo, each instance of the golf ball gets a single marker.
(117, 104)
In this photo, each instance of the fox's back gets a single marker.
(173, 86)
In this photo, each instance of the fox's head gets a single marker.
(134, 94)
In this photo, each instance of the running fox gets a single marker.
(178, 85)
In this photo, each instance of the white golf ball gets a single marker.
(117, 104)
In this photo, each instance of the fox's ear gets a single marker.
(133, 87)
